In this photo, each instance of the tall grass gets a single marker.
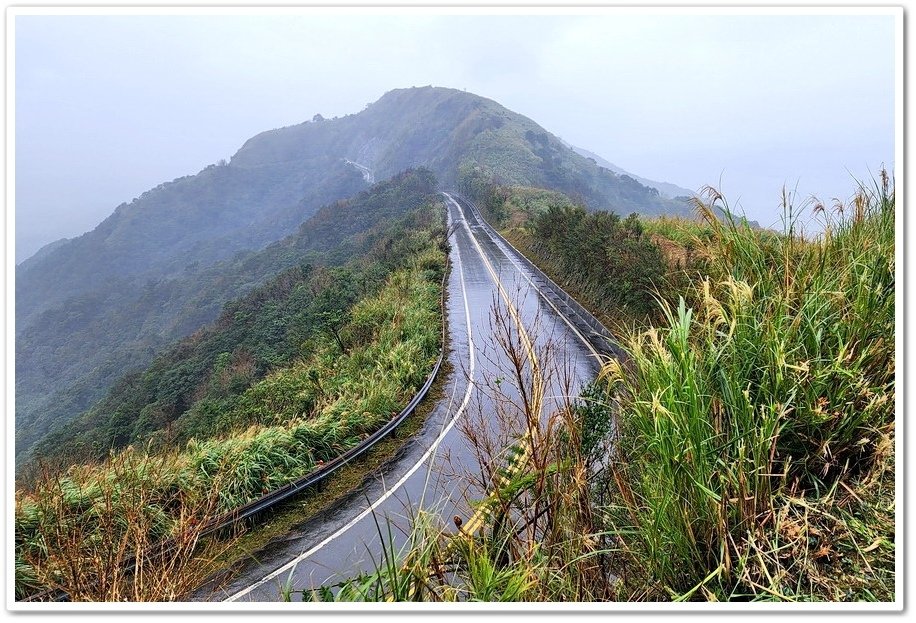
(612, 265)
(96, 538)
(537, 541)
(285, 427)
(742, 451)
(685, 232)
(775, 393)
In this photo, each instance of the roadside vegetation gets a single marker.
(743, 450)
(154, 314)
(242, 408)
(317, 277)
(614, 266)
(755, 449)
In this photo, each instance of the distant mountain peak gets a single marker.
(667, 189)
(275, 181)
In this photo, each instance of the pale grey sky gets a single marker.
(108, 107)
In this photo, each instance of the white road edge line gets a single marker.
(467, 397)
(533, 285)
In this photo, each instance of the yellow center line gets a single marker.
(537, 380)
(476, 521)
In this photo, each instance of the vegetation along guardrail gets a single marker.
(600, 338)
(273, 498)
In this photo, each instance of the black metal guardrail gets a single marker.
(277, 496)
(599, 336)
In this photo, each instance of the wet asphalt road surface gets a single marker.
(431, 471)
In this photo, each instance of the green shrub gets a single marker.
(278, 430)
(778, 386)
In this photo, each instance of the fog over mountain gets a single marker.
(108, 107)
(117, 261)
(161, 266)
(667, 189)
(556, 273)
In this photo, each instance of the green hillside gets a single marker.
(337, 233)
(742, 450)
(310, 374)
(161, 266)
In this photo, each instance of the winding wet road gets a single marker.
(493, 299)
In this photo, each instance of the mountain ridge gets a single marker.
(666, 188)
(109, 298)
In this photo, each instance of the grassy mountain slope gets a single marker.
(172, 308)
(192, 389)
(253, 433)
(200, 218)
(742, 451)
(444, 129)
(160, 267)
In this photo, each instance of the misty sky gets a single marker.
(108, 107)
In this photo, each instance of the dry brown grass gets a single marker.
(111, 540)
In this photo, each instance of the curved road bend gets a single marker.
(345, 540)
